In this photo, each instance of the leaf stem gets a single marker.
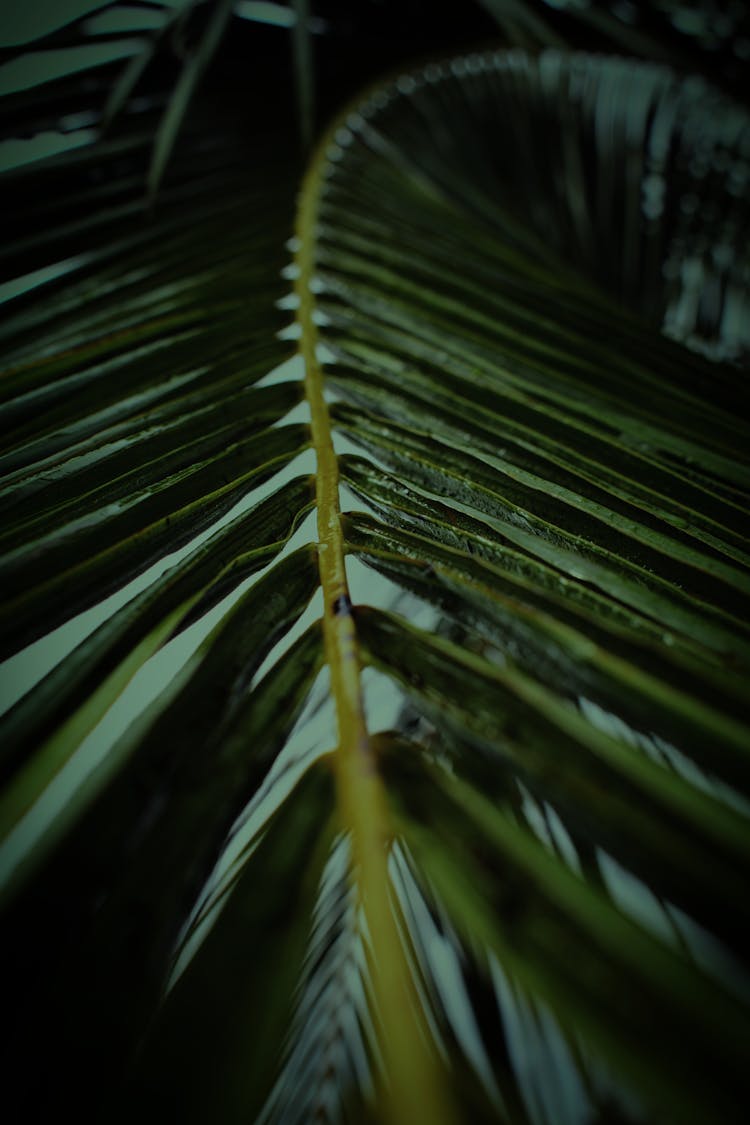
(415, 1088)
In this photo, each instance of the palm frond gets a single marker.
(273, 900)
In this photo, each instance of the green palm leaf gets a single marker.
(435, 809)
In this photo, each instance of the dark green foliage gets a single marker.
(531, 287)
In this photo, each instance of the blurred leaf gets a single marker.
(36, 67)
(192, 72)
(22, 23)
(303, 69)
(279, 15)
(129, 77)
(124, 18)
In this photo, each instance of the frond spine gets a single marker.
(416, 1089)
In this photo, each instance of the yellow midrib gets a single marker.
(416, 1089)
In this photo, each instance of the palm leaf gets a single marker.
(436, 810)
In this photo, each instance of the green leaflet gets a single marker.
(366, 843)
(186, 590)
(203, 700)
(499, 713)
(571, 653)
(449, 827)
(563, 508)
(584, 549)
(232, 1050)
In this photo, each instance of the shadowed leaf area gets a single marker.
(375, 569)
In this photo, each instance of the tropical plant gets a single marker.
(375, 596)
